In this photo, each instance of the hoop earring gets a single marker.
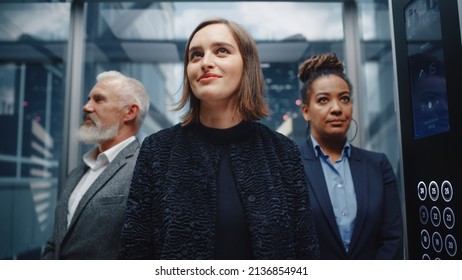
(307, 132)
(356, 130)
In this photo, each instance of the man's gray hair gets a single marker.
(130, 90)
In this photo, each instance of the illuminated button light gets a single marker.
(437, 242)
(422, 191)
(433, 190)
(435, 216)
(425, 239)
(449, 218)
(446, 191)
(450, 245)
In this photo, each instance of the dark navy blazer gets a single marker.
(378, 232)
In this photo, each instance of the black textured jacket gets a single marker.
(171, 207)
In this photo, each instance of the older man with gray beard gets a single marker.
(88, 217)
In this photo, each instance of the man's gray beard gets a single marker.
(94, 134)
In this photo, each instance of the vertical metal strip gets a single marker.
(22, 93)
(400, 175)
(459, 6)
(73, 88)
(49, 96)
(353, 63)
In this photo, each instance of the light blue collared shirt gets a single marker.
(341, 190)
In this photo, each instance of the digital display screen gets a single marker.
(426, 67)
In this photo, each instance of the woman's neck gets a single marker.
(332, 147)
(220, 120)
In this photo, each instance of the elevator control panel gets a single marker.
(437, 219)
(428, 58)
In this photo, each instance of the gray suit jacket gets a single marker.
(94, 232)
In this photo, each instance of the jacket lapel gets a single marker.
(358, 168)
(71, 182)
(316, 180)
(119, 161)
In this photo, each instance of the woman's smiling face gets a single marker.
(215, 64)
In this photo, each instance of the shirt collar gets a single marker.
(96, 161)
(318, 150)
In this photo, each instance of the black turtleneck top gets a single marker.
(232, 238)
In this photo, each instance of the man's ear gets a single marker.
(132, 112)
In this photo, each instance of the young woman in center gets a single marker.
(219, 185)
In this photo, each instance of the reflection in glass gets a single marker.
(426, 66)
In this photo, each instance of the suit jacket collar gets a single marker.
(319, 189)
(359, 174)
(313, 169)
(346, 150)
(119, 161)
(71, 182)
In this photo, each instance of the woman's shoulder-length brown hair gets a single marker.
(250, 101)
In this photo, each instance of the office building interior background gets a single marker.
(51, 52)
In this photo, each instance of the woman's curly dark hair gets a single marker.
(317, 66)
